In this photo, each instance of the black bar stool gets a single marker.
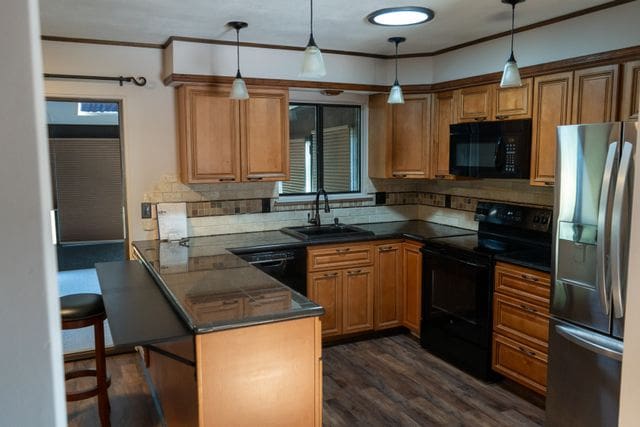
(79, 311)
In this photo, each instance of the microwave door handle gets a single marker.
(602, 246)
(498, 157)
(619, 235)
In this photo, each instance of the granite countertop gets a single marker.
(213, 289)
(536, 258)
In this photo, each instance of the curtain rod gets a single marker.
(138, 81)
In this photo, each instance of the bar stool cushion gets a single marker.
(81, 306)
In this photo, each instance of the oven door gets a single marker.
(456, 298)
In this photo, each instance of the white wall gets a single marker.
(148, 113)
(31, 369)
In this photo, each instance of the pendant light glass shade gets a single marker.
(312, 63)
(511, 74)
(395, 94)
(238, 88)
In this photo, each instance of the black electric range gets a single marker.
(458, 281)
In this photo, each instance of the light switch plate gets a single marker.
(146, 210)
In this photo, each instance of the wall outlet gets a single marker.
(146, 210)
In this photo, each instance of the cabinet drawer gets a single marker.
(523, 283)
(520, 363)
(521, 321)
(341, 256)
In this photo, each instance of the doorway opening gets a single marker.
(89, 212)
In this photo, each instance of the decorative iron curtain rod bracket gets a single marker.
(138, 81)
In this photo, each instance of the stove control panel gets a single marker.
(523, 217)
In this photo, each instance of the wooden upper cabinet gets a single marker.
(399, 137)
(411, 135)
(357, 300)
(227, 140)
(388, 292)
(209, 133)
(475, 103)
(630, 91)
(551, 108)
(265, 140)
(444, 114)
(595, 95)
(514, 102)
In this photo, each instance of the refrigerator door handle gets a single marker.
(602, 281)
(596, 343)
(617, 236)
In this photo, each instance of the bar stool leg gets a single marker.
(101, 375)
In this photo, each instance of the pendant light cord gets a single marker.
(396, 82)
(513, 14)
(238, 76)
(312, 42)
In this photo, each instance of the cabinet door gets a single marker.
(551, 108)
(444, 113)
(380, 136)
(514, 102)
(412, 279)
(388, 286)
(595, 95)
(475, 103)
(630, 91)
(325, 289)
(209, 134)
(265, 139)
(411, 133)
(519, 362)
(357, 300)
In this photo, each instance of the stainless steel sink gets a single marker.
(326, 232)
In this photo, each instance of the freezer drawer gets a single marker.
(583, 386)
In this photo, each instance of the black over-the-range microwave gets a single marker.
(490, 149)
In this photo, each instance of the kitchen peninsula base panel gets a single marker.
(267, 375)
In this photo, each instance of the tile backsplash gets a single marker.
(232, 208)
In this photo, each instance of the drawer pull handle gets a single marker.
(230, 302)
(527, 352)
(441, 176)
(330, 274)
(549, 183)
(343, 251)
(254, 178)
(385, 249)
(354, 272)
(527, 277)
(399, 175)
(479, 119)
(226, 179)
(502, 117)
(527, 308)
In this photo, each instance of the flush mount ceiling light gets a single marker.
(511, 74)
(395, 95)
(399, 16)
(238, 88)
(312, 64)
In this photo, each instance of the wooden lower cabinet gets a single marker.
(388, 294)
(521, 325)
(357, 300)
(412, 283)
(325, 289)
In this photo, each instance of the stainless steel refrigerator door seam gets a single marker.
(596, 343)
(616, 225)
(602, 281)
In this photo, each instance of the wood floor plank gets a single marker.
(389, 381)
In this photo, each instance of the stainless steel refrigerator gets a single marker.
(592, 212)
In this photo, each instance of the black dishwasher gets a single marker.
(288, 266)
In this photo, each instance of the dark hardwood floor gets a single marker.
(387, 381)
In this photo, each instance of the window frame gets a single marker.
(363, 108)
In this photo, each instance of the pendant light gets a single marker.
(511, 74)
(312, 64)
(238, 88)
(395, 95)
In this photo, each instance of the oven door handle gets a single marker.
(454, 259)
(270, 262)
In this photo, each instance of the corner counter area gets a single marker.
(223, 343)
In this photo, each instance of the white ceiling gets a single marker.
(339, 24)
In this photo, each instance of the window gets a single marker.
(97, 108)
(324, 147)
